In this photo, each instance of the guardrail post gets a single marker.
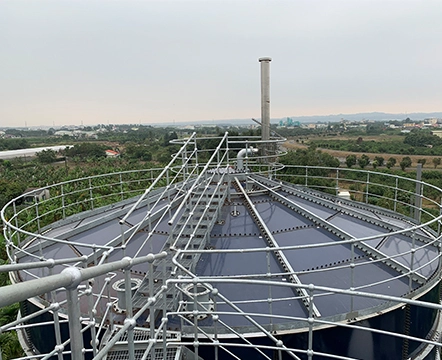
(40, 251)
(195, 150)
(366, 187)
(129, 313)
(306, 176)
(337, 182)
(195, 317)
(184, 162)
(164, 296)
(121, 187)
(246, 166)
(37, 216)
(16, 223)
(311, 321)
(352, 274)
(413, 250)
(90, 194)
(215, 318)
(56, 317)
(418, 194)
(227, 148)
(63, 205)
(92, 320)
(439, 222)
(269, 274)
(152, 304)
(76, 337)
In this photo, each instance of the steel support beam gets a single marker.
(369, 250)
(354, 212)
(278, 253)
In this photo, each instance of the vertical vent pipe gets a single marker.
(265, 97)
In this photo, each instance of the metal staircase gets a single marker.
(191, 231)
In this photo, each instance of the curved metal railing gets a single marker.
(419, 201)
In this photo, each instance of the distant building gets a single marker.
(409, 125)
(77, 134)
(431, 121)
(63, 133)
(437, 133)
(32, 195)
(289, 122)
(112, 153)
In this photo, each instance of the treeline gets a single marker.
(310, 157)
(17, 175)
(24, 138)
(13, 144)
(137, 150)
(417, 142)
(379, 161)
(324, 179)
(156, 152)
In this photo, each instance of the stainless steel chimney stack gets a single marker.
(265, 97)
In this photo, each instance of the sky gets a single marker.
(128, 62)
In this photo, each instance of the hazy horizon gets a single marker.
(90, 62)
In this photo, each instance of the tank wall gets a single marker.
(354, 343)
(43, 336)
(421, 319)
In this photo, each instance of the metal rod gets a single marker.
(46, 263)
(21, 291)
(75, 334)
(418, 193)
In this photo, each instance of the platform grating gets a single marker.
(171, 354)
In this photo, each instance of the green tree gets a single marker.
(379, 160)
(422, 161)
(168, 137)
(9, 344)
(87, 151)
(391, 162)
(374, 164)
(436, 162)
(135, 151)
(363, 161)
(10, 189)
(46, 156)
(310, 157)
(422, 138)
(405, 162)
(350, 160)
(13, 144)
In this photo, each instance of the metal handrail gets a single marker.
(15, 227)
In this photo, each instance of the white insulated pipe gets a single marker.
(265, 97)
(240, 157)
